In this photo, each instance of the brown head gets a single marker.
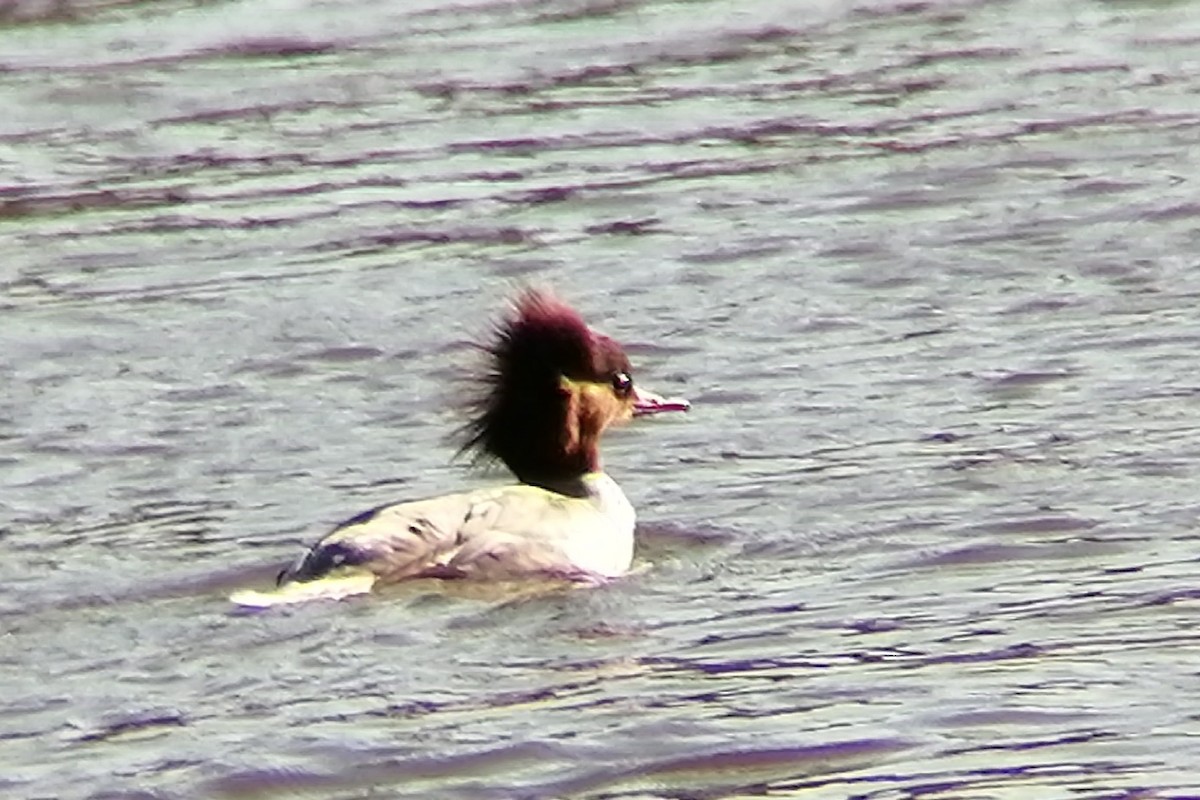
(553, 385)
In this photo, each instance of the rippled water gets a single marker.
(927, 270)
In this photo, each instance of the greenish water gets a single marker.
(927, 272)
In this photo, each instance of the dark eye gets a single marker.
(622, 383)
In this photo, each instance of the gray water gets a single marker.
(927, 270)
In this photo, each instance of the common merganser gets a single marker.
(553, 386)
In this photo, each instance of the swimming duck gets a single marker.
(552, 387)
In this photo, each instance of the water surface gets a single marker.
(927, 271)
